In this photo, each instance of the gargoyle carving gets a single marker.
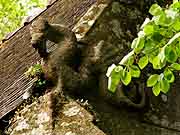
(75, 68)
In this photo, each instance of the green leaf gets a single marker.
(175, 5)
(151, 57)
(170, 54)
(118, 69)
(148, 29)
(133, 45)
(126, 77)
(114, 77)
(175, 66)
(149, 46)
(157, 37)
(143, 61)
(167, 33)
(139, 44)
(156, 89)
(135, 72)
(113, 81)
(157, 64)
(165, 86)
(37, 67)
(162, 20)
(130, 60)
(44, 82)
(110, 69)
(155, 10)
(161, 55)
(159, 61)
(178, 49)
(176, 25)
(169, 76)
(152, 80)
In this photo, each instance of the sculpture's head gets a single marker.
(38, 31)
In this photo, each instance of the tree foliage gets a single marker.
(13, 11)
(158, 44)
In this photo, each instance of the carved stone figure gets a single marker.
(75, 68)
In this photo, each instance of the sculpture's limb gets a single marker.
(119, 97)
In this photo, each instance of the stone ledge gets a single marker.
(37, 119)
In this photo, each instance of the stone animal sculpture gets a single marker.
(75, 68)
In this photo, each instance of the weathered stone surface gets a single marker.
(88, 20)
(164, 109)
(34, 118)
(37, 119)
(126, 121)
(77, 120)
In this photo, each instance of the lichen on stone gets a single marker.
(72, 111)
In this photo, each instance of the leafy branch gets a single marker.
(158, 44)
